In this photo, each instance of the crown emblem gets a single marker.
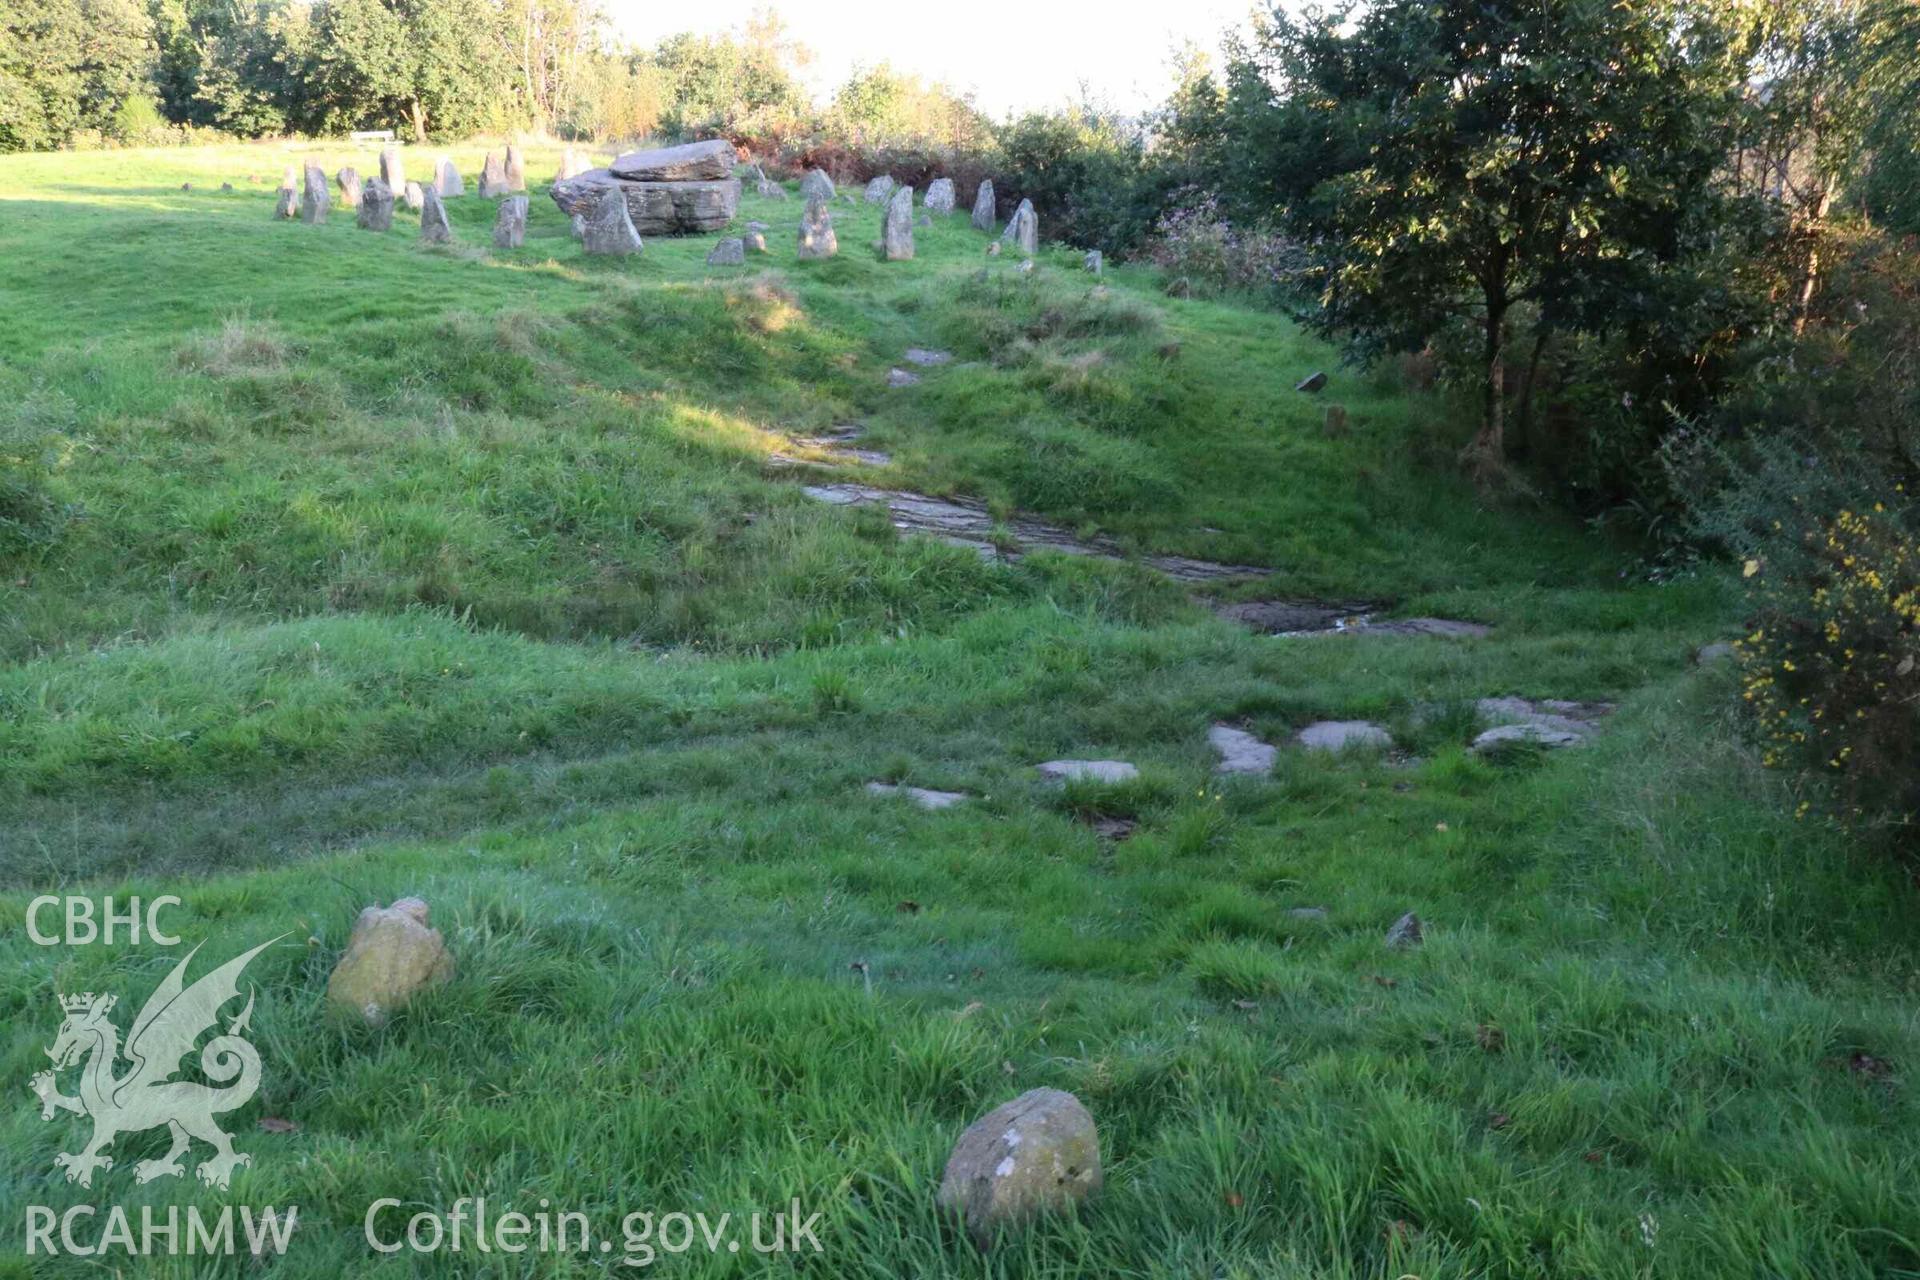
(82, 1002)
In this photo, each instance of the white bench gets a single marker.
(372, 135)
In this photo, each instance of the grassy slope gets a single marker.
(457, 573)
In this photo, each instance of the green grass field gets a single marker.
(463, 573)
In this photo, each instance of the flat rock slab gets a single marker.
(927, 356)
(657, 208)
(925, 797)
(969, 524)
(688, 162)
(1341, 735)
(902, 378)
(1240, 751)
(1339, 617)
(1549, 722)
(1087, 771)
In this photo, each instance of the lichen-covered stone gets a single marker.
(516, 169)
(816, 183)
(984, 210)
(610, 229)
(940, 195)
(376, 206)
(493, 177)
(392, 956)
(510, 223)
(655, 208)
(730, 252)
(1039, 1153)
(434, 227)
(350, 188)
(707, 161)
(896, 235)
(880, 189)
(314, 200)
(446, 179)
(1023, 229)
(393, 170)
(817, 239)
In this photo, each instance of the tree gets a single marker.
(68, 65)
(442, 64)
(1474, 158)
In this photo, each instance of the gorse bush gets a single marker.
(1830, 665)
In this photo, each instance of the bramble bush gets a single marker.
(1201, 251)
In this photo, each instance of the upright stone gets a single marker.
(314, 200)
(610, 229)
(393, 171)
(415, 195)
(493, 177)
(730, 252)
(756, 241)
(376, 206)
(516, 169)
(768, 189)
(434, 227)
(572, 164)
(446, 179)
(392, 956)
(1095, 261)
(816, 184)
(290, 179)
(510, 223)
(983, 207)
(287, 205)
(896, 236)
(880, 190)
(940, 195)
(349, 180)
(816, 231)
(1023, 229)
(1038, 1154)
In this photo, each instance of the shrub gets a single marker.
(1200, 250)
(1830, 667)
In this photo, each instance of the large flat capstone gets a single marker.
(657, 208)
(689, 162)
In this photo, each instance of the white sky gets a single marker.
(1013, 54)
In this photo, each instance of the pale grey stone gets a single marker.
(314, 200)
(983, 207)
(1023, 229)
(925, 797)
(434, 227)
(756, 242)
(493, 177)
(393, 170)
(1035, 1155)
(1406, 933)
(897, 232)
(610, 229)
(655, 208)
(416, 196)
(902, 378)
(1240, 751)
(578, 222)
(730, 252)
(816, 231)
(708, 161)
(1088, 770)
(446, 179)
(926, 356)
(1709, 654)
(1095, 261)
(817, 184)
(880, 189)
(287, 203)
(376, 206)
(516, 169)
(770, 190)
(573, 163)
(940, 195)
(510, 223)
(350, 188)
(1340, 735)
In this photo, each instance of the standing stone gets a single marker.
(1095, 261)
(414, 195)
(983, 207)
(771, 190)
(392, 956)
(1335, 424)
(756, 241)
(816, 231)
(1023, 229)
(493, 177)
(880, 190)
(393, 171)
(349, 180)
(1038, 1154)
(376, 206)
(730, 252)
(510, 223)
(924, 220)
(314, 200)
(288, 203)
(940, 195)
(1406, 933)
(434, 227)
(816, 183)
(610, 230)
(516, 169)
(572, 164)
(897, 234)
(290, 178)
(446, 178)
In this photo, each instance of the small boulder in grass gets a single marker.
(1405, 934)
(1313, 382)
(1037, 1154)
(392, 956)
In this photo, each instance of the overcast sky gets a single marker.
(1013, 54)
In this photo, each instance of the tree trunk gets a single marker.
(1486, 455)
(1810, 275)
(1541, 336)
(419, 114)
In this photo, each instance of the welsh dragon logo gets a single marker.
(146, 1096)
